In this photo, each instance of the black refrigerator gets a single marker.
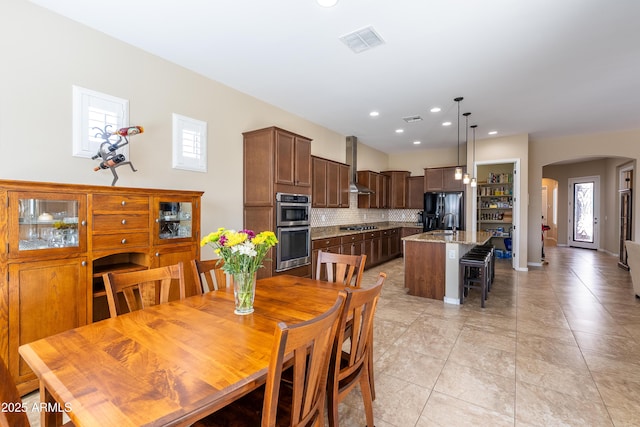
(443, 210)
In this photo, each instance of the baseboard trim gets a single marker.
(449, 300)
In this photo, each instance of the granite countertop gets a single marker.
(442, 236)
(334, 231)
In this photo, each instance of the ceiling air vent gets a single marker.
(412, 119)
(361, 40)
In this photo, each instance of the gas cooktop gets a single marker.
(358, 227)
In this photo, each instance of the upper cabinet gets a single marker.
(45, 224)
(442, 179)
(397, 189)
(330, 187)
(275, 160)
(415, 192)
(293, 159)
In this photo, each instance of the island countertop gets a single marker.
(448, 236)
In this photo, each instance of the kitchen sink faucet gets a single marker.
(455, 220)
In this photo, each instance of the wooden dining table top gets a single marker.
(173, 363)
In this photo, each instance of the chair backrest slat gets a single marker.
(214, 276)
(308, 342)
(340, 268)
(143, 288)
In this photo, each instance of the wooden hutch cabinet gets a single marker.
(58, 240)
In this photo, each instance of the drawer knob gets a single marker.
(123, 241)
(157, 253)
(123, 202)
(124, 221)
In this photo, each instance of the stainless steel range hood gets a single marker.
(352, 161)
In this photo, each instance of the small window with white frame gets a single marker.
(189, 144)
(92, 113)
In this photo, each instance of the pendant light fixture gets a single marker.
(465, 178)
(474, 181)
(458, 171)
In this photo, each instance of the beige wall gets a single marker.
(616, 146)
(416, 161)
(45, 54)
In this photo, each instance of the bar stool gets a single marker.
(487, 249)
(475, 273)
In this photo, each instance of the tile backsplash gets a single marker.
(324, 217)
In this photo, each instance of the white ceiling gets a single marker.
(543, 67)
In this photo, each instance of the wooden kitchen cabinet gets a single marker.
(352, 244)
(442, 179)
(376, 183)
(319, 183)
(275, 160)
(331, 244)
(45, 298)
(397, 197)
(415, 192)
(292, 159)
(330, 187)
(61, 238)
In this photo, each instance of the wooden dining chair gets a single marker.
(10, 399)
(214, 277)
(340, 268)
(142, 289)
(351, 362)
(300, 402)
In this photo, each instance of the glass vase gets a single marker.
(244, 292)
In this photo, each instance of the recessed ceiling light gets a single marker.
(436, 109)
(416, 142)
(374, 114)
(327, 3)
(399, 130)
(446, 124)
(493, 132)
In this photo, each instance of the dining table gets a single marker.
(170, 364)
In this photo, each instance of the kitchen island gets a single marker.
(431, 262)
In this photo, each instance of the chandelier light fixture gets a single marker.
(458, 171)
(465, 178)
(474, 181)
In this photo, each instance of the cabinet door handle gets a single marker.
(83, 263)
(124, 221)
(123, 241)
(124, 202)
(157, 253)
(158, 220)
(83, 222)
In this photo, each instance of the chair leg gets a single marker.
(332, 406)
(370, 368)
(365, 388)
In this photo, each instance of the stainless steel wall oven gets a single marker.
(293, 230)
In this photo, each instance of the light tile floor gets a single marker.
(557, 345)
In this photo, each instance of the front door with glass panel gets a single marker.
(584, 211)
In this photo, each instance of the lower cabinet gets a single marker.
(379, 246)
(170, 255)
(45, 298)
(331, 244)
